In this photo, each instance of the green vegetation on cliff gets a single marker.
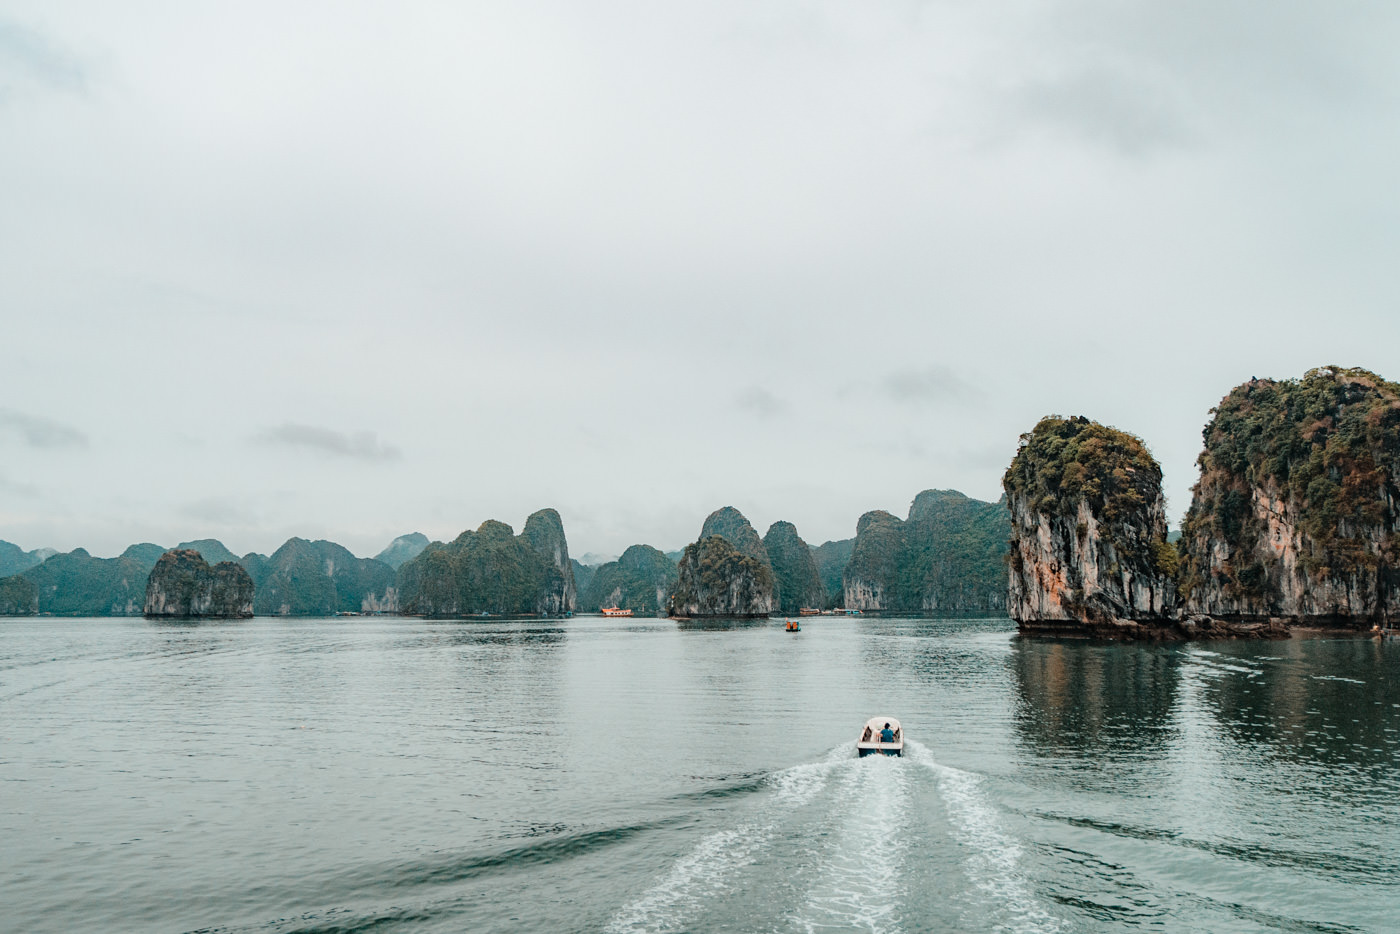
(317, 578)
(18, 596)
(640, 580)
(77, 584)
(797, 583)
(948, 556)
(1065, 461)
(729, 523)
(1325, 449)
(717, 579)
(491, 571)
(14, 560)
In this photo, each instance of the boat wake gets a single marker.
(713, 865)
(828, 850)
(993, 860)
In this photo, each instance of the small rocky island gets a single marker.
(182, 585)
(726, 573)
(1089, 552)
(1293, 521)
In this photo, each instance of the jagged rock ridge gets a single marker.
(183, 585)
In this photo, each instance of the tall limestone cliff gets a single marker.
(544, 533)
(1296, 510)
(319, 578)
(832, 558)
(182, 585)
(640, 580)
(492, 571)
(726, 573)
(948, 556)
(1089, 550)
(797, 583)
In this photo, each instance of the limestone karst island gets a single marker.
(1292, 523)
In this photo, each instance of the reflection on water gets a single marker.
(1095, 701)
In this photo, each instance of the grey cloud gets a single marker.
(26, 55)
(758, 401)
(360, 445)
(932, 384)
(40, 432)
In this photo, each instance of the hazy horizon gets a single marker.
(347, 271)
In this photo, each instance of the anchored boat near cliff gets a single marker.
(881, 736)
(614, 611)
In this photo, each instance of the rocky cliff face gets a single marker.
(183, 585)
(797, 583)
(716, 579)
(948, 556)
(544, 533)
(492, 571)
(872, 574)
(18, 596)
(1295, 514)
(640, 580)
(319, 578)
(1088, 529)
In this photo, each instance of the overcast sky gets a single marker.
(349, 270)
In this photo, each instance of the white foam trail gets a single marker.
(701, 874)
(994, 860)
(860, 876)
(705, 871)
(799, 784)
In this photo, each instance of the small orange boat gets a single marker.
(793, 626)
(614, 611)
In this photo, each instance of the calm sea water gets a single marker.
(638, 775)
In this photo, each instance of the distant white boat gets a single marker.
(872, 739)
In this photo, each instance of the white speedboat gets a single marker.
(875, 741)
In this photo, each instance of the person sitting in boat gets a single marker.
(887, 734)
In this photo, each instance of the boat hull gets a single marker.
(879, 749)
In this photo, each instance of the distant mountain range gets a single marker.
(947, 556)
